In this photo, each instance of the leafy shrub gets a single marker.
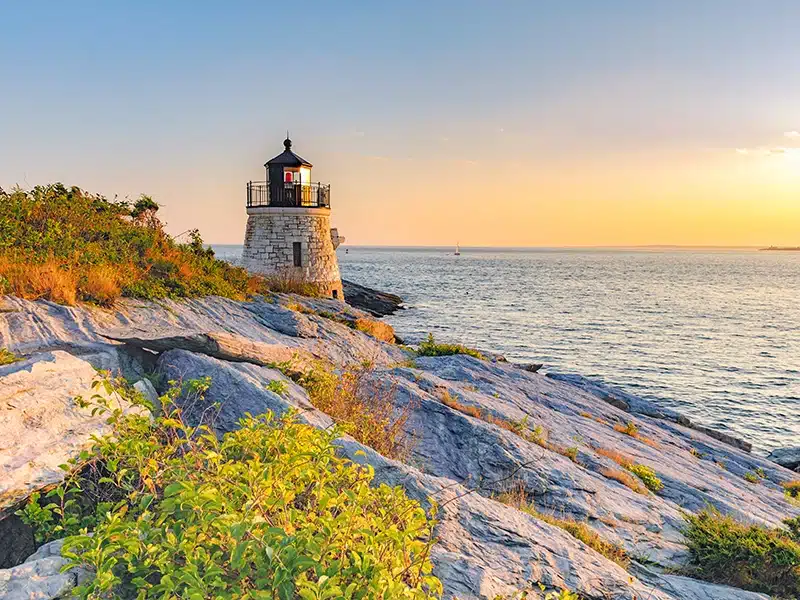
(7, 357)
(648, 477)
(269, 511)
(64, 244)
(760, 559)
(429, 347)
(359, 404)
(751, 477)
(278, 387)
(581, 531)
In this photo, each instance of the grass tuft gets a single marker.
(630, 428)
(646, 474)
(625, 479)
(792, 488)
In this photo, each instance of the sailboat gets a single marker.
(458, 250)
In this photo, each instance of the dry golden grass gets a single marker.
(359, 405)
(290, 283)
(625, 479)
(623, 460)
(49, 280)
(377, 329)
(448, 400)
(102, 284)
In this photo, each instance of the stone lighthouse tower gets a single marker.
(289, 226)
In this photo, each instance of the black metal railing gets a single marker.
(305, 195)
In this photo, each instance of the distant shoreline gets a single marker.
(781, 249)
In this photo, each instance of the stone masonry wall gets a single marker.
(268, 248)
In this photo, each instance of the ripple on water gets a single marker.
(715, 334)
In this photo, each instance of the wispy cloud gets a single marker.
(775, 150)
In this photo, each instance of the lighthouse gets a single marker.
(288, 231)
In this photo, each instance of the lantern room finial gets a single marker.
(287, 143)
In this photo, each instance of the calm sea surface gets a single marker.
(712, 333)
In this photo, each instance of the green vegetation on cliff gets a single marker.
(747, 556)
(430, 347)
(269, 511)
(64, 244)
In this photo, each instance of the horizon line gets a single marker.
(563, 247)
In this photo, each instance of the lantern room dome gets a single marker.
(287, 158)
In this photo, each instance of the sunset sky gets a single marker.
(497, 123)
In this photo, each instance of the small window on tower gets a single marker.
(296, 251)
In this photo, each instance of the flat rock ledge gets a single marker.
(378, 304)
(225, 346)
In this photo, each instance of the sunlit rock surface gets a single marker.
(484, 547)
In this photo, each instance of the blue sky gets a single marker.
(186, 100)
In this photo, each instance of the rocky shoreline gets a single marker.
(477, 426)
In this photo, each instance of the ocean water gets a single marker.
(714, 334)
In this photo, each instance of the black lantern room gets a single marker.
(288, 184)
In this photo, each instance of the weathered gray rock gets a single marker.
(236, 390)
(16, 541)
(41, 426)
(687, 588)
(40, 576)
(378, 304)
(484, 456)
(27, 327)
(283, 320)
(220, 345)
(461, 460)
(633, 404)
(148, 391)
(788, 457)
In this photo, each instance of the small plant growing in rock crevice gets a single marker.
(646, 474)
(630, 428)
(430, 347)
(751, 477)
(278, 387)
(7, 357)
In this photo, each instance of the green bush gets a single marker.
(7, 357)
(65, 245)
(268, 511)
(750, 557)
(648, 477)
(429, 347)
